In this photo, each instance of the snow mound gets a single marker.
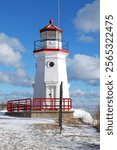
(2, 112)
(85, 116)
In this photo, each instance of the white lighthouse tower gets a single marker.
(51, 64)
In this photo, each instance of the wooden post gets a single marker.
(60, 106)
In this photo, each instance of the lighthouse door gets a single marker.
(52, 91)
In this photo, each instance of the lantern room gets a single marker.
(51, 36)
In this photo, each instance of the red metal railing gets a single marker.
(38, 104)
(19, 105)
(51, 104)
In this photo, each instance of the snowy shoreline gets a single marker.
(43, 134)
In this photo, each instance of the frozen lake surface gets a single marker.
(43, 134)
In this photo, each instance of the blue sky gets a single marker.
(20, 21)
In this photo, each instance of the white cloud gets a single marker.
(84, 68)
(88, 18)
(87, 21)
(16, 79)
(76, 93)
(8, 56)
(85, 94)
(86, 100)
(15, 95)
(87, 39)
(11, 51)
(12, 42)
(21, 73)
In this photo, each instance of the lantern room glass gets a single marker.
(43, 36)
(58, 35)
(50, 35)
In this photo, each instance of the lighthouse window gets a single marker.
(51, 64)
(58, 35)
(44, 35)
(51, 35)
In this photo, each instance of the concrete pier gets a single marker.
(41, 114)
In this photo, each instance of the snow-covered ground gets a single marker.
(43, 134)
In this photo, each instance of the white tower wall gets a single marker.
(48, 79)
(39, 79)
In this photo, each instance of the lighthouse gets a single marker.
(51, 69)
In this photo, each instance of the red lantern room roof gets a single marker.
(51, 27)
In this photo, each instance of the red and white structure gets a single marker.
(51, 53)
(51, 64)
